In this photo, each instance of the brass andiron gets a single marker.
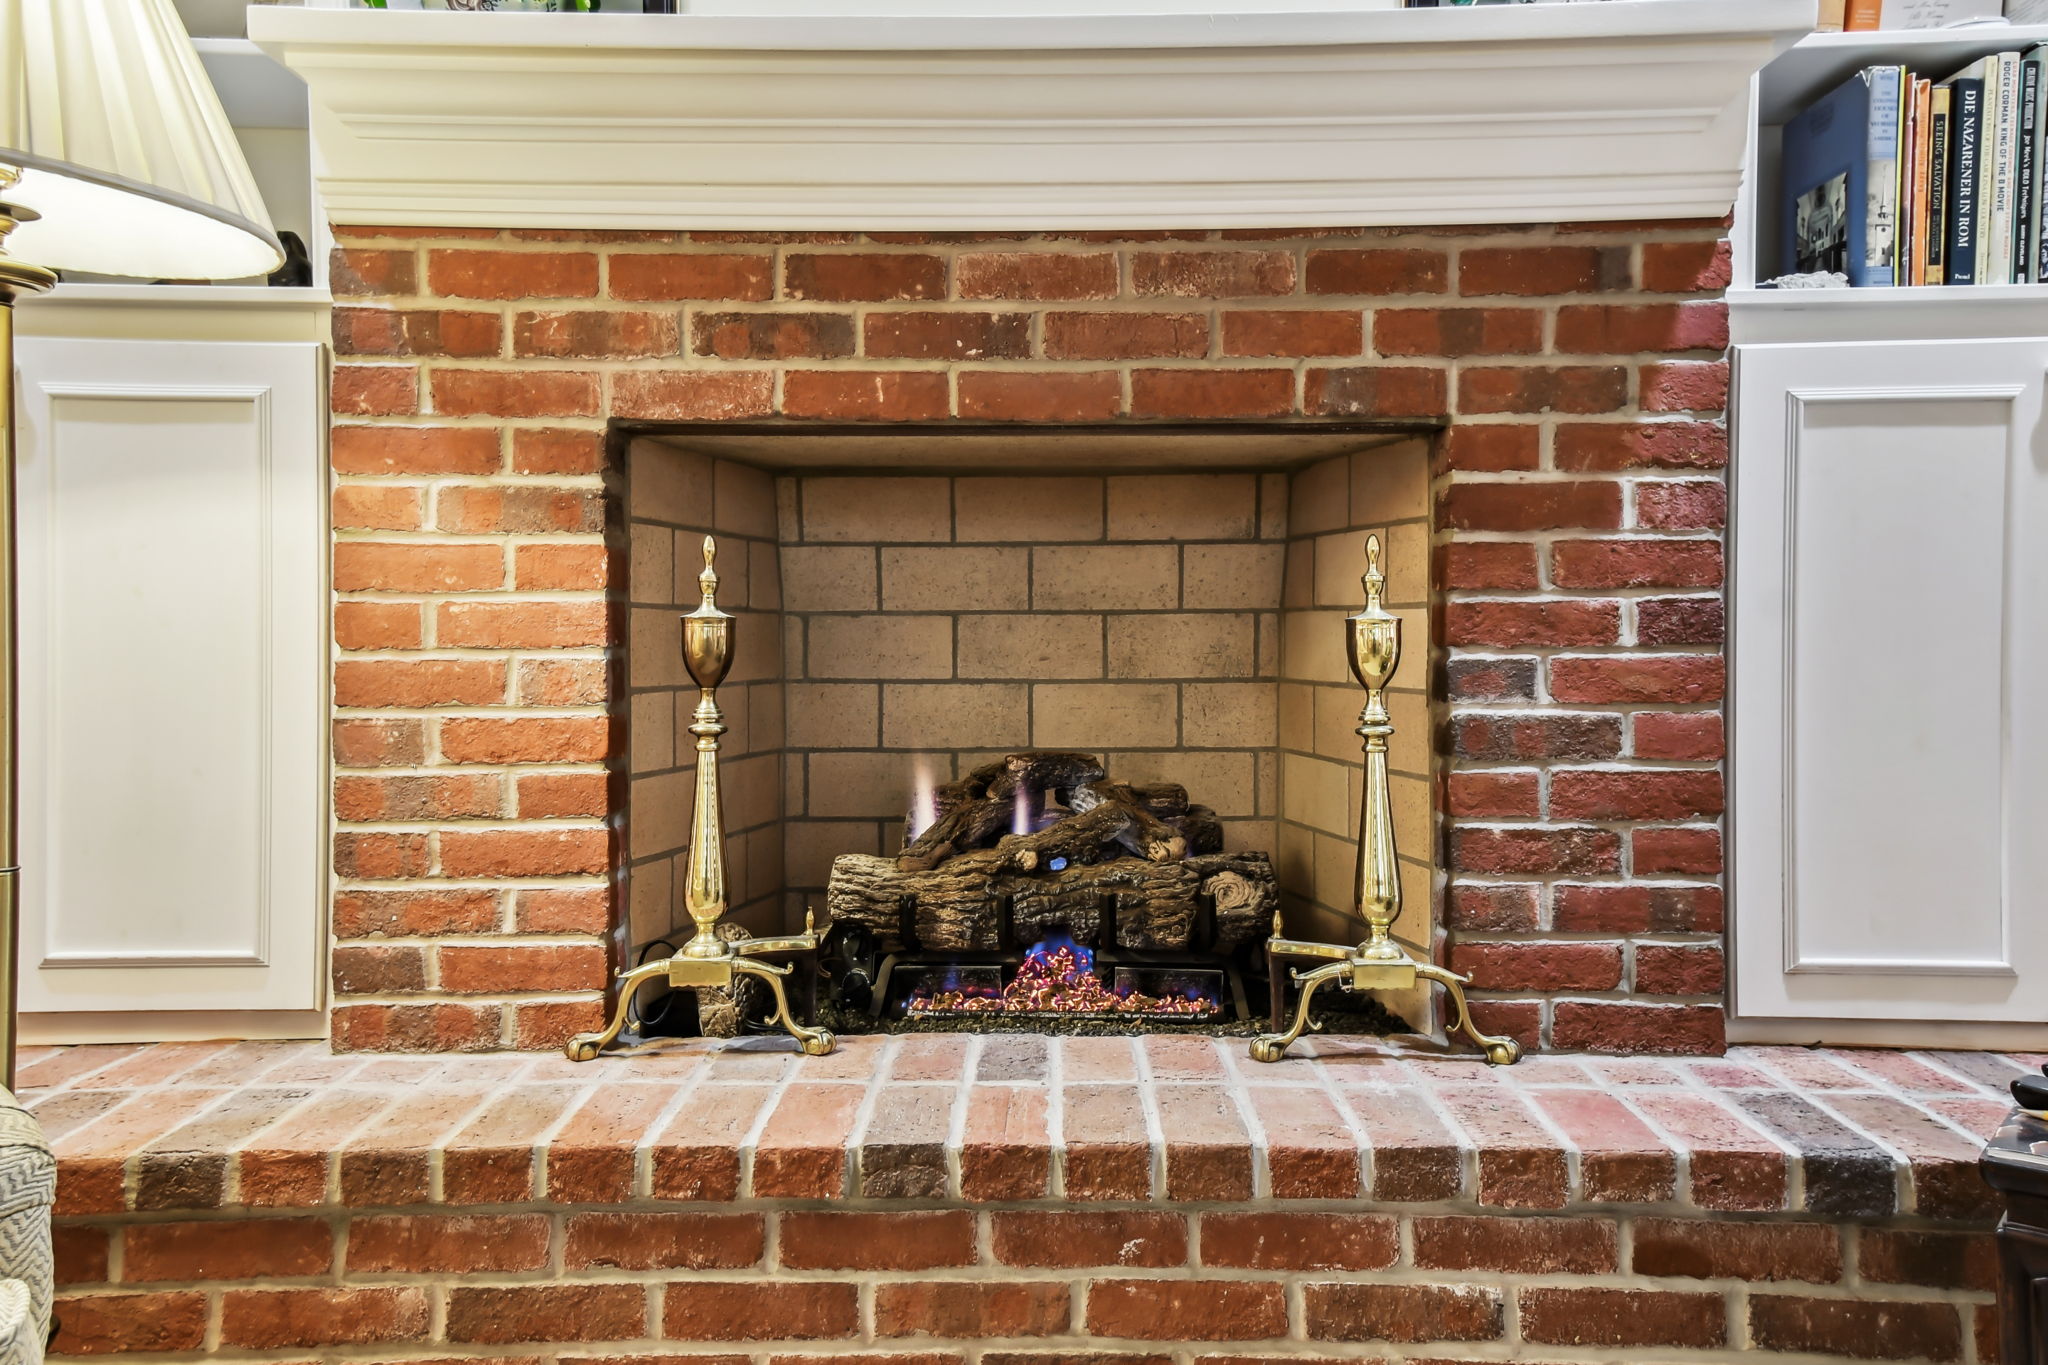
(708, 961)
(1379, 963)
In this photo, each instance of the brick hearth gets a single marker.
(1019, 1201)
(1575, 513)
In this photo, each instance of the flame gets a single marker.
(1022, 819)
(924, 801)
(1043, 954)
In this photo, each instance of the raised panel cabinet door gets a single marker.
(173, 666)
(1889, 663)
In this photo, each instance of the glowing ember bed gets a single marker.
(1060, 976)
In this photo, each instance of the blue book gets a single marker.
(1965, 171)
(1841, 179)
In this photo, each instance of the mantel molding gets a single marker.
(844, 121)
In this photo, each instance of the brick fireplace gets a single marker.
(990, 491)
(984, 491)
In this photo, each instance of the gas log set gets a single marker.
(1037, 885)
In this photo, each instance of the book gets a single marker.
(1902, 190)
(1862, 16)
(1914, 254)
(1902, 252)
(2034, 250)
(2002, 145)
(1881, 205)
(1832, 13)
(1936, 253)
(1991, 177)
(1840, 180)
(1895, 14)
(1966, 176)
(2024, 191)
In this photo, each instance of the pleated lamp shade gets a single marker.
(123, 147)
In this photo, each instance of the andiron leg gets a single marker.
(1499, 1051)
(815, 1042)
(584, 1047)
(1270, 1046)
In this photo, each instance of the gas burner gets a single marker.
(1059, 976)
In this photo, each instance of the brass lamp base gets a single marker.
(712, 972)
(1356, 971)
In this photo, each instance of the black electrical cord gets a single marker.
(633, 1019)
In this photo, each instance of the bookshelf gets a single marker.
(1884, 440)
(1821, 61)
(1803, 73)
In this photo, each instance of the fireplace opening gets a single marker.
(1049, 729)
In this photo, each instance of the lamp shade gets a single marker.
(123, 147)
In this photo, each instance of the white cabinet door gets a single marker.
(173, 532)
(1890, 683)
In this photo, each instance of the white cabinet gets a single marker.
(1889, 643)
(173, 673)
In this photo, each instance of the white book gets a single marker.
(2002, 168)
(1935, 13)
(1987, 171)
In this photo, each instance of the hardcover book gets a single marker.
(1966, 170)
(1934, 13)
(2034, 164)
(2002, 143)
(1937, 184)
(1840, 167)
(1913, 257)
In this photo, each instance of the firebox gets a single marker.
(1047, 723)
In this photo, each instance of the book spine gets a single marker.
(1881, 191)
(2034, 258)
(1862, 16)
(1966, 153)
(2026, 192)
(1902, 189)
(1937, 186)
(1987, 172)
(1987, 180)
(1902, 248)
(1833, 13)
(1916, 262)
(2004, 116)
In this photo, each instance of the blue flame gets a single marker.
(1084, 958)
(1057, 865)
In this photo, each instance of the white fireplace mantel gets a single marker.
(850, 117)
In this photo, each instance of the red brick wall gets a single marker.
(1579, 512)
(1023, 1285)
